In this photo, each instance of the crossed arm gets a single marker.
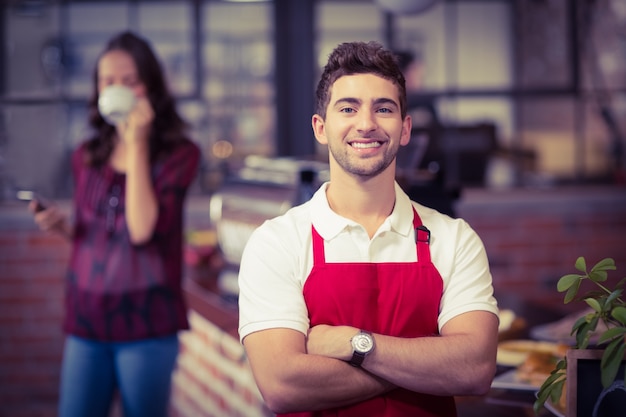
(297, 373)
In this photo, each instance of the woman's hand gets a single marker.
(50, 219)
(141, 209)
(139, 122)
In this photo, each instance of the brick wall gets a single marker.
(31, 342)
(532, 239)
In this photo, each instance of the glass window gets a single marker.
(344, 21)
(495, 61)
(89, 26)
(168, 26)
(463, 47)
(238, 73)
(32, 52)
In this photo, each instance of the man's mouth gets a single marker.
(365, 145)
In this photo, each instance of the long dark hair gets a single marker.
(167, 128)
(359, 58)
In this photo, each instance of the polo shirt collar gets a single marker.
(329, 224)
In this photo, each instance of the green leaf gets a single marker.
(611, 360)
(551, 385)
(571, 292)
(614, 295)
(582, 340)
(566, 281)
(619, 314)
(557, 391)
(606, 264)
(549, 389)
(593, 303)
(549, 382)
(611, 334)
(598, 276)
(577, 325)
(560, 365)
(585, 330)
(538, 405)
(580, 264)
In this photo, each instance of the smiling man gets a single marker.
(361, 302)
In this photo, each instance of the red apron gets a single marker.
(397, 299)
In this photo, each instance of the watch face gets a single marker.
(363, 343)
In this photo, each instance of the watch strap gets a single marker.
(357, 359)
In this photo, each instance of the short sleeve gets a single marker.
(270, 281)
(172, 178)
(469, 285)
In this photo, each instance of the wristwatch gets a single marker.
(362, 345)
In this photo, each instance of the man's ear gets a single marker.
(319, 129)
(407, 125)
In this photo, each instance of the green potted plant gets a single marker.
(608, 310)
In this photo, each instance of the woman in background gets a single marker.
(124, 302)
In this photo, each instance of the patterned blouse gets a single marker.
(115, 290)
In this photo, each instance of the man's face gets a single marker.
(363, 127)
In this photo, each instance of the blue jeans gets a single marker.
(140, 371)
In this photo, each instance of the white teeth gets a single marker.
(367, 145)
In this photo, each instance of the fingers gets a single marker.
(142, 114)
(48, 219)
(32, 206)
(139, 121)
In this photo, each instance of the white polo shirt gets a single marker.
(278, 258)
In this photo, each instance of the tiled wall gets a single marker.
(532, 240)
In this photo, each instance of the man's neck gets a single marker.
(367, 202)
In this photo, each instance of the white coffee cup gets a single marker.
(115, 102)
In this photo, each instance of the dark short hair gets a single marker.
(359, 58)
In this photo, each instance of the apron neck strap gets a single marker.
(422, 240)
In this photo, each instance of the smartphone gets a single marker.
(25, 195)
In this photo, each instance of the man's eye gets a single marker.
(347, 110)
(384, 110)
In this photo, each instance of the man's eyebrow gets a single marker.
(384, 100)
(378, 101)
(347, 100)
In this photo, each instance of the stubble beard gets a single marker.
(361, 167)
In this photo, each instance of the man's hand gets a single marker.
(331, 341)
(293, 380)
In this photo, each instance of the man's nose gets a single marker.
(367, 121)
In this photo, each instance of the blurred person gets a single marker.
(413, 68)
(361, 302)
(425, 152)
(124, 303)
